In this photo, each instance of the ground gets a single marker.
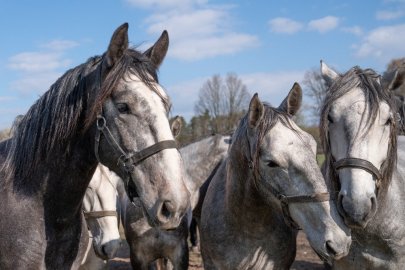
(306, 259)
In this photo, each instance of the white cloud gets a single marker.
(386, 15)
(284, 25)
(37, 70)
(210, 46)
(272, 87)
(35, 82)
(202, 31)
(383, 43)
(37, 61)
(355, 30)
(60, 45)
(324, 24)
(164, 4)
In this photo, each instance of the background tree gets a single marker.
(315, 88)
(223, 102)
(399, 65)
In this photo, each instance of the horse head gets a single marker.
(282, 158)
(132, 131)
(359, 134)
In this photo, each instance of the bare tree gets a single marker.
(315, 89)
(236, 99)
(224, 101)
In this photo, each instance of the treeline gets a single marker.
(223, 101)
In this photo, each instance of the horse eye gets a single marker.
(122, 108)
(330, 119)
(272, 164)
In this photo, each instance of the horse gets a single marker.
(110, 109)
(267, 188)
(365, 165)
(149, 246)
(100, 212)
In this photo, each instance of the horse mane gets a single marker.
(369, 81)
(69, 108)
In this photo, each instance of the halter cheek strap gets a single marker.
(128, 161)
(286, 200)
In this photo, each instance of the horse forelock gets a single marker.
(368, 81)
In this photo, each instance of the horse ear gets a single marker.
(328, 74)
(176, 126)
(292, 103)
(394, 79)
(118, 45)
(158, 51)
(256, 111)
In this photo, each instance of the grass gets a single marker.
(320, 159)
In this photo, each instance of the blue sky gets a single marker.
(268, 44)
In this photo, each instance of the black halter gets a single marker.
(128, 161)
(284, 199)
(359, 163)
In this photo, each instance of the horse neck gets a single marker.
(243, 199)
(67, 178)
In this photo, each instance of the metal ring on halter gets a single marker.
(101, 127)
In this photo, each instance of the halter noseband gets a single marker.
(128, 161)
(359, 163)
(100, 214)
(286, 200)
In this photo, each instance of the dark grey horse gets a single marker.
(359, 134)
(269, 185)
(148, 244)
(106, 110)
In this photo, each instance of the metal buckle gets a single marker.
(101, 122)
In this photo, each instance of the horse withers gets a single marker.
(110, 109)
(269, 185)
(365, 165)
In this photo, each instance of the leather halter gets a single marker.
(359, 163)
(286, 200)
(128, 161)
(99, 214)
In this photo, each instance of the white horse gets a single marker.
(100, 211)
(359, 134)
(269, 185)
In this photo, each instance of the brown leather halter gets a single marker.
(359, 163)
(129, 160)
(286, 200)
(99, 214)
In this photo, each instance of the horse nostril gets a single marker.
(330, 248)
(167, 209)
(103, 250)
